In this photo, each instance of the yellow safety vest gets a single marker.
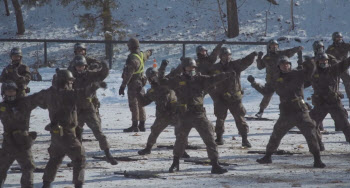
(142, 66)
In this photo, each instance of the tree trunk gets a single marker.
(19, 17)
(7, 8)
(232, 19)
(292, 14)
(107, 27)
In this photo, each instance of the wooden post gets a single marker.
(292, 14)
(232, 19)
(19, 17)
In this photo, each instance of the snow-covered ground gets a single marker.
(187, 20)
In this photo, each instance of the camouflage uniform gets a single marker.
(20, 74)
(340, 52)
(228, 94)
(293, 111)
(269, 61)
(17, 140)
(326, 98)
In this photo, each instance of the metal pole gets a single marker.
(183, 49)
(45, 54)
(110, 54)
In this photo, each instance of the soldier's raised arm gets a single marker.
(210, 81)
(242, 64)
(260, 62)
(99, 75)
(264, 89)
(292, 51)
(215, 53)
(146, 99)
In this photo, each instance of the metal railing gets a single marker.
(111, 42)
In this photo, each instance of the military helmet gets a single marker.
(151, 72)
(317, 44)
(10, 85)
(283, 59)
(336, 35)
(79, 46)
(188, 62)
(16, 51)
(272, 41)
(321, 56)
(79, 60)
(225, 50)
(133, 43)
(64, 75)
(200, 48)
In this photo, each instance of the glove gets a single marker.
(151, 50)
(251, 79)
(104, 85)
(121, 90)
(164, 63)
(260, 54)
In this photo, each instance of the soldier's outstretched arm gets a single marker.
(38, 99)
(99, 75)
(263, 89)
(292, 51)
(162, 68)
(242, 64)
(341, 67)
(215, 53)
(145, 99)
(210, 81)
(260, 62)
(309, 68)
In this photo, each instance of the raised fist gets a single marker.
(251, 79)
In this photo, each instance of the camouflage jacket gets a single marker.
(83, 85)
(19, 74)
(131, 67)
(231, 86)
(270, 61)
(339, 51)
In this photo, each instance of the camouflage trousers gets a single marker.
(266, 100)
(162, 121)
(205, 129)
(338, 114)
(93, 121)
(346, 81)
(137, 111)
(286, 122)
(69, 145)
(237, 110)
(24, 159)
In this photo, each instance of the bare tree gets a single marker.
(7, 8)
(232, 19)
(19, 17)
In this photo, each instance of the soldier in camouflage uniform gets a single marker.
(166, 103)
(190, 90)
(134, 78)
(326, 98)
(17, 72)
(15, 114)
(228, 94)
(80, 49)
(61, 101)
(289, 85)
(340, 50)
(269, 61)
(87, 111)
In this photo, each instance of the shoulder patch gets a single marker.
(2, 108)
(267, 57)
(182, 83)
(150, 90)
(316, 75)
(279, 80)
(217, 72)
(331, 48)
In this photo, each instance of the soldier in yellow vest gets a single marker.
(133, 77)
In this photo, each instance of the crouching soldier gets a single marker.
(289, 85)
(326, 98)
(190, 90)
(87, 111)
(14, 114)
(228, 95)
(166, 102)
(61, 101)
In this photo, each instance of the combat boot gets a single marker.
(145, 151)
(46, 184)
(2, 182)
(78, 185)
(317, 161)
(176, 164)
(260, 113)
(142, 126)
(110, 158)
(133, 128)
(265, 160)
(185, 155)
(216, 168)
(219, 140)
(245, 142)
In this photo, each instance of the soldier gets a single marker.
(339, 49)
(326, 98)
(190, 90)
(166, 102)
(17, 141)
(87, 111)
(17, 72)
(80, 49)
(270, 61)
(61, 101)
(228, 94)
(289, 85)
(134, 78)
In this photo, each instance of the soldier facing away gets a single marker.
(228, 95)
(17, 72)
(289, 85)
(133, 77)
(17, 140)
(190, 90)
